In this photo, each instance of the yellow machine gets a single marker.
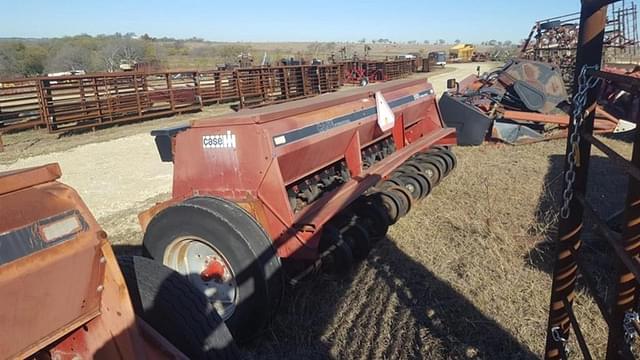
(461, 52)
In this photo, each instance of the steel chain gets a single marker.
(579, 102)
(557, 337)
(630, 333)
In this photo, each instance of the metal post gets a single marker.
(626, 291)
(592, 23)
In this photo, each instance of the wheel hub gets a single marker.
(206, 268)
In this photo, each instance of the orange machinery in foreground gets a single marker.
(62, 292)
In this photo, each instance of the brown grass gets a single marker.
(464, 275)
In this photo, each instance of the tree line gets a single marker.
(82, 52)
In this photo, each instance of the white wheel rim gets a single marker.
(190, 256)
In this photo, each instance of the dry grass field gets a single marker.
(465, 275)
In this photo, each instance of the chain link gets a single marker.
(579, 102)
(630, 333)
(557, 337)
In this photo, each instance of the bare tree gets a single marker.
(314, 48)
(132, 51)
(110, 55)
(121, 50)
(69, 58)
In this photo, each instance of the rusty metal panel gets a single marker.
(61, 290)
(67, 276)
(20, 104)
(264, 157)
(19, 179)
(63, 103)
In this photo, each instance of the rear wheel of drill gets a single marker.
(391, 181)
(392, 203)
(451, 156)
(340, 258)
(433, 168)
(402, 170)
(406, 200)
(446, 159)
(413, 185)
(370, 209)
(357, 237)
(414, 166)
(425, 183)
(225, 253)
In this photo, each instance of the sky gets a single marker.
(283, 20)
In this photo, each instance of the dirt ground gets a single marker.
(464, 275)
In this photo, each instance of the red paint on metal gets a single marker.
(213, 271)
(353, 156)
(398, 132)
(68, 300)
(263, 161)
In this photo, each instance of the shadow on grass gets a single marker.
(605, 191)
(389, 306)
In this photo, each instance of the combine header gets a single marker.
(524, 101)
(310, 184)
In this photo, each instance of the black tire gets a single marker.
(425, 183)
(232, 231)
(427, 169)
(176, 309)
(391, 181)
(262, 245)
(370, 209)
(401, 171)
(437, 162)
(412, 185)
(392, 203)
(358, 239)
(406, 200)
(340, 261)
(446, 159)
(413, 165)
(451, 156)
(442, 147)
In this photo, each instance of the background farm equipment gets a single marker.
(293, 188)
(462, 53)
(524, 101)
(363, 72)
(64, 296)
(555, 40)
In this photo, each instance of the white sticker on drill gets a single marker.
(386, 118)
(227, 140)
